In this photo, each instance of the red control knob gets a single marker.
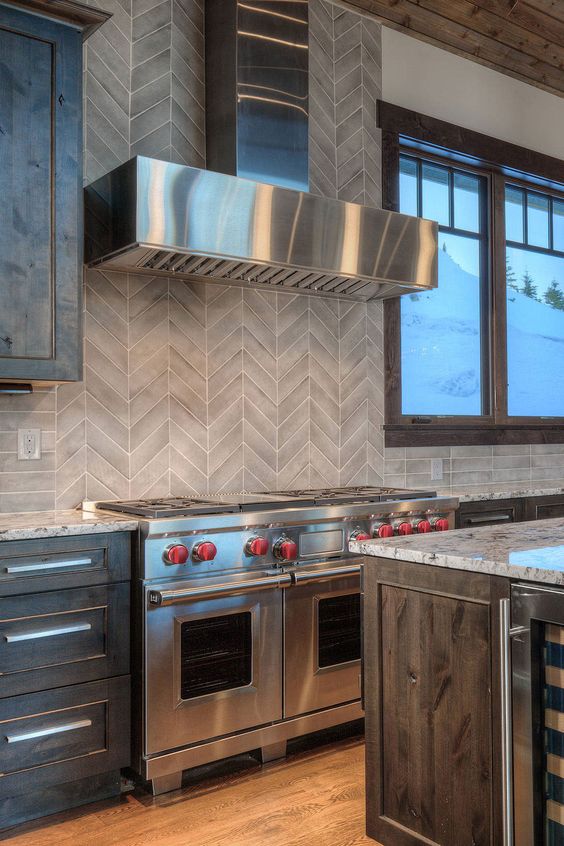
(176, 554)
(423, 526)
(405, 529)
(384, 531)
(257, 546)
(205, 551)
(359, 535)
(441, 525)
(285, 549)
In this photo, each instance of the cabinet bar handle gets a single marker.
(166, 597)
(490, 518)
(321, 575)
(506, 720)
(48, 565)
(35, 735)
(80, 627)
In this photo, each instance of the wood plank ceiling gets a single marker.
(522, 38)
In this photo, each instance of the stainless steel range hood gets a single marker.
(155, 217)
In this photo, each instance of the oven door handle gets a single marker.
(304, 576)
(168, 597)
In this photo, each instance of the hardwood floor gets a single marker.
(313, 798)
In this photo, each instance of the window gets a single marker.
(444, 345)
(481, 359)
(535, 303)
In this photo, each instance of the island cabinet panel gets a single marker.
(40, 186)
(432, 701)
(490, 513)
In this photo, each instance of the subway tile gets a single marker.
(470, 451)
(418, 465)
(395, 481)
(395, 466)
(544, 449)
(477, 477)
(427, 452)
(503, 462)
(37, 501)
(395, 452)
(512, 449)
(27, 481)
(514, 474)
(475, 463)
(547, 461)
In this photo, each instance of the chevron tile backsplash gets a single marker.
(197, 388)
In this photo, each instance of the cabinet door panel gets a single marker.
(26, 187)
(41, 229)
(495, 513)
(436, 715)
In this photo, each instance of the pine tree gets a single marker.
(554, 296)
(510, 277)
(529, 288)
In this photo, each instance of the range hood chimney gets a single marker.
(257, 86)
(249, 219)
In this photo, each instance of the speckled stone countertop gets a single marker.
(489, 492)
(58, 524)
(532, 551)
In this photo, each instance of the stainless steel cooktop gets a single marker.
(241, 502)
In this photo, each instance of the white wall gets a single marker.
(440, 84)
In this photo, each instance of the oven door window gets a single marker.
(216, 654)
(338, 630)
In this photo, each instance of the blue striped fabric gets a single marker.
(554, 739)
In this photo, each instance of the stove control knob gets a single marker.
(405, 529)
(383, 530)
(285, 549)
(422, 526)
(257, 546)
(440, 524)
(359, 535)
(177, 553)
(204, 551)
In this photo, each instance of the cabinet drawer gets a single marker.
(51, 563)
(544, 507)
(494, 513)
(63, 734)
(63, 637)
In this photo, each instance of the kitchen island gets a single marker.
(435, 679)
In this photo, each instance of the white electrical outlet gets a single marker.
(436, 469)
(29, 444)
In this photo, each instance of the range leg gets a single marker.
(273, 752)
(164, 784)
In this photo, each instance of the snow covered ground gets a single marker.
(441, 349)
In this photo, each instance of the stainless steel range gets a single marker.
(247, 609)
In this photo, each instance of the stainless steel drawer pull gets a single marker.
(35, 735)
(48, 565)
(490, 518)
(166, 597)
(63, 630)
(322, 575)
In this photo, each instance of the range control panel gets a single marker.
(203, 553)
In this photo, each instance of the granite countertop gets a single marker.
(57, 524)
(490, 492)
(531, 551)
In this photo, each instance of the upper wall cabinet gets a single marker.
(41, 218)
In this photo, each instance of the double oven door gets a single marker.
(322, 637)
(223, 656)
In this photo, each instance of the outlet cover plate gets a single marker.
(436, 469)
(29, 444)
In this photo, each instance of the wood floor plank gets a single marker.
(315, 798)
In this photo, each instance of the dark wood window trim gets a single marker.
(401, 129)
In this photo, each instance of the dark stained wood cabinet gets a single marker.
(432, 705)
(41, 228)
(490, 513)
(544, 507)
(64, 672)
